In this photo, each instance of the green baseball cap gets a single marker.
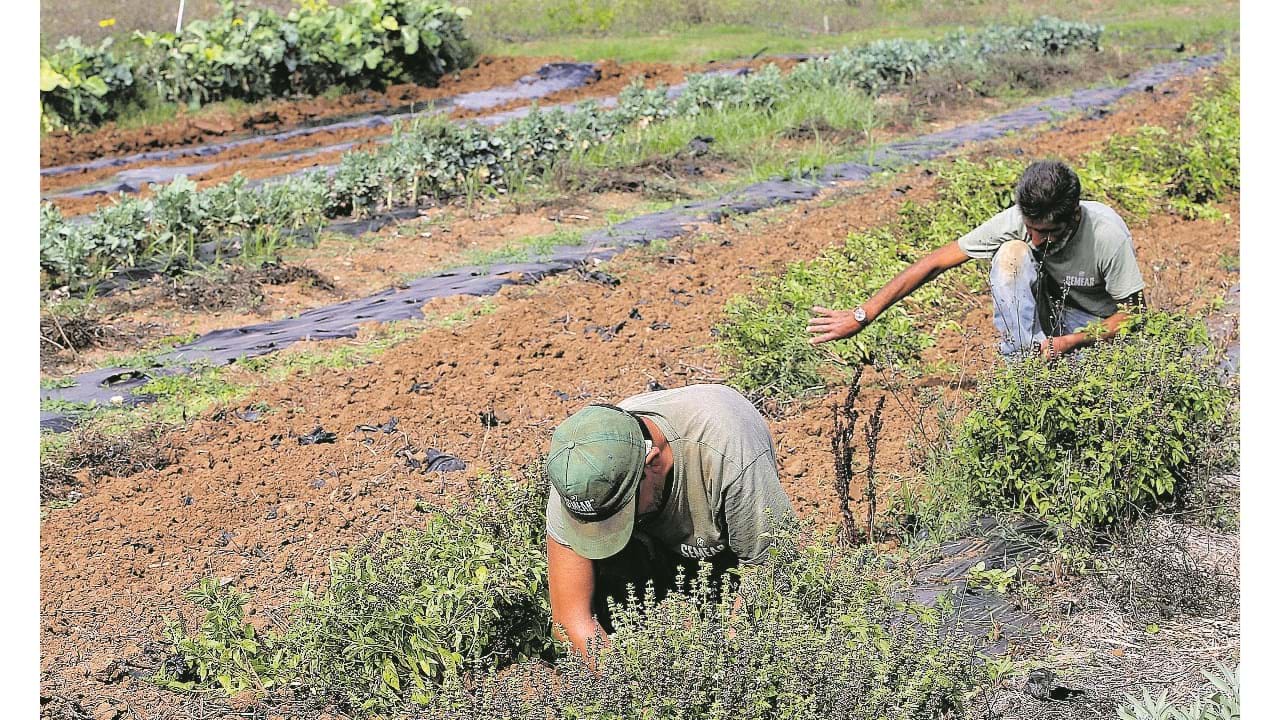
(595, 465)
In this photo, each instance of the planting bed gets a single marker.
(242, 499)
(341, 320)
(288, 147)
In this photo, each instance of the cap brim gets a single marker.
(596, 540)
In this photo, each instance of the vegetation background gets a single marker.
(706, 29)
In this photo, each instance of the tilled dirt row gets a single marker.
(248, 502)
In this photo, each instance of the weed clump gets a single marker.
(92, 452)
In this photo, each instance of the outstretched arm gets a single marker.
(571, 580)
(826, 324)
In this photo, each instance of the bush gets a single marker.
(82, 85)
(402, 611)
(1103, 433)
(821, 632)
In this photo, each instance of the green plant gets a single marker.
(463, 592)
(1106, 432)
(996, 580)
(227, 650)
(1221, 705)
(763, 335)
(436, 159)
(837, 614)
(248, 54)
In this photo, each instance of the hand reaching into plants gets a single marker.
(827, 325)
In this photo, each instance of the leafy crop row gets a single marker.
(763, 335)
(251, 54)
(434, 159)
(428, 616)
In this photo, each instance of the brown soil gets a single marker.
(245, 501)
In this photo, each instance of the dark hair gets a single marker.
(1048, 190)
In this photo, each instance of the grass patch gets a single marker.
(669, 31)
(824, 123)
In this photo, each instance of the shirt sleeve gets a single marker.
(755, 506)
(1120, 272)
(982, 242)
(554, 530)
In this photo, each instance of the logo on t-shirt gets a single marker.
(701, 551)
(1079, 279)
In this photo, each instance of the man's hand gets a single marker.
(1055, 347)
(827, 325)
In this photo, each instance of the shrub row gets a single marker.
(252, 54)
(763, 335)
(434, 159)
(429, 616)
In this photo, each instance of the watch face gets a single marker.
(859, 314)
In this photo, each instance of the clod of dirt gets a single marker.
(1042, 684)
(700, 145)
(239, 287)
(317, 436)
(273, 274)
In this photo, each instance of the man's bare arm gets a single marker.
(571, 581)
(827, 324)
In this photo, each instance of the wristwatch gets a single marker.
(860, 315)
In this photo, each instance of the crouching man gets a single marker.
(650, 486)
(1057, 266)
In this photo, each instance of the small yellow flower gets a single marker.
(107, 23)
(238, 21)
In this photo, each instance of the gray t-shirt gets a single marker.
(725, 492)
(1092, 269)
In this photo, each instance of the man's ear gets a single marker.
(652, 457)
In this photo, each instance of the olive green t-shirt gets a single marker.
(725, 493)
(1091, 270)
